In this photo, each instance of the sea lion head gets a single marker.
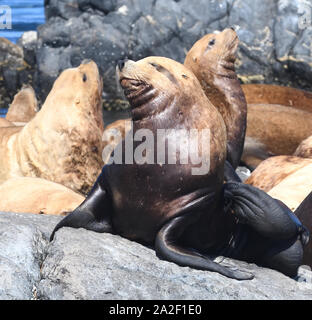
(66, 134)
(151, 84)
(81, 86)
(215, 52)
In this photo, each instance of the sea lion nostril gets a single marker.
(121, 64)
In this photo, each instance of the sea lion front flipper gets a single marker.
(167, 248)
(93, 214)
(261, 212)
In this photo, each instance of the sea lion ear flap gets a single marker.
(267, 216)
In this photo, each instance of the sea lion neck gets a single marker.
(212, 60)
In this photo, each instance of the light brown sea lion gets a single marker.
(280, 129)
(35, 195)
(278, 119)
(63, 142)
(24, 106)
(189, 217)
(287, 178)
(294, 188)
(274, 94)
(274, 170)
(304, 149)
(212, 60)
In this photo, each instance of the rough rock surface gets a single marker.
(275, 36)
(81, 264)
(14, 71)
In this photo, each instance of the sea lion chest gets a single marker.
(145, 196)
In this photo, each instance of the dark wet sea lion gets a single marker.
(212, 60)
(185, 216)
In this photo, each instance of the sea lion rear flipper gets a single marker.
(93, 214)
(166, 248)
(260, 211)
(280, 235)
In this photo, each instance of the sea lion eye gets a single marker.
(212, 42)
(84, 77)
(154, 64)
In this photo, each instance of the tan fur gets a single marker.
(24, 106)
(5, 123)
(35, 195)
(63, 142)
(294, 188)
(278, 119)
(273, 94)
(274, 170)
(304, 150)
(279, 128)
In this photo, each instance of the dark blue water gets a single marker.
(26, 16)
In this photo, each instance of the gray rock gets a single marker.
(275, 38)
(23, 239)
(28, 42)
(14, 71)
(81, 264)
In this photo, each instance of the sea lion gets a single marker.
(278, 119)
(184, 214)
(274, 170)
(24, 106)
(287, 178)
(212, 60)
(280, 129)
(35, 195)
(304, 150)
(294, 188)
(63, 142)
(274, 94)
